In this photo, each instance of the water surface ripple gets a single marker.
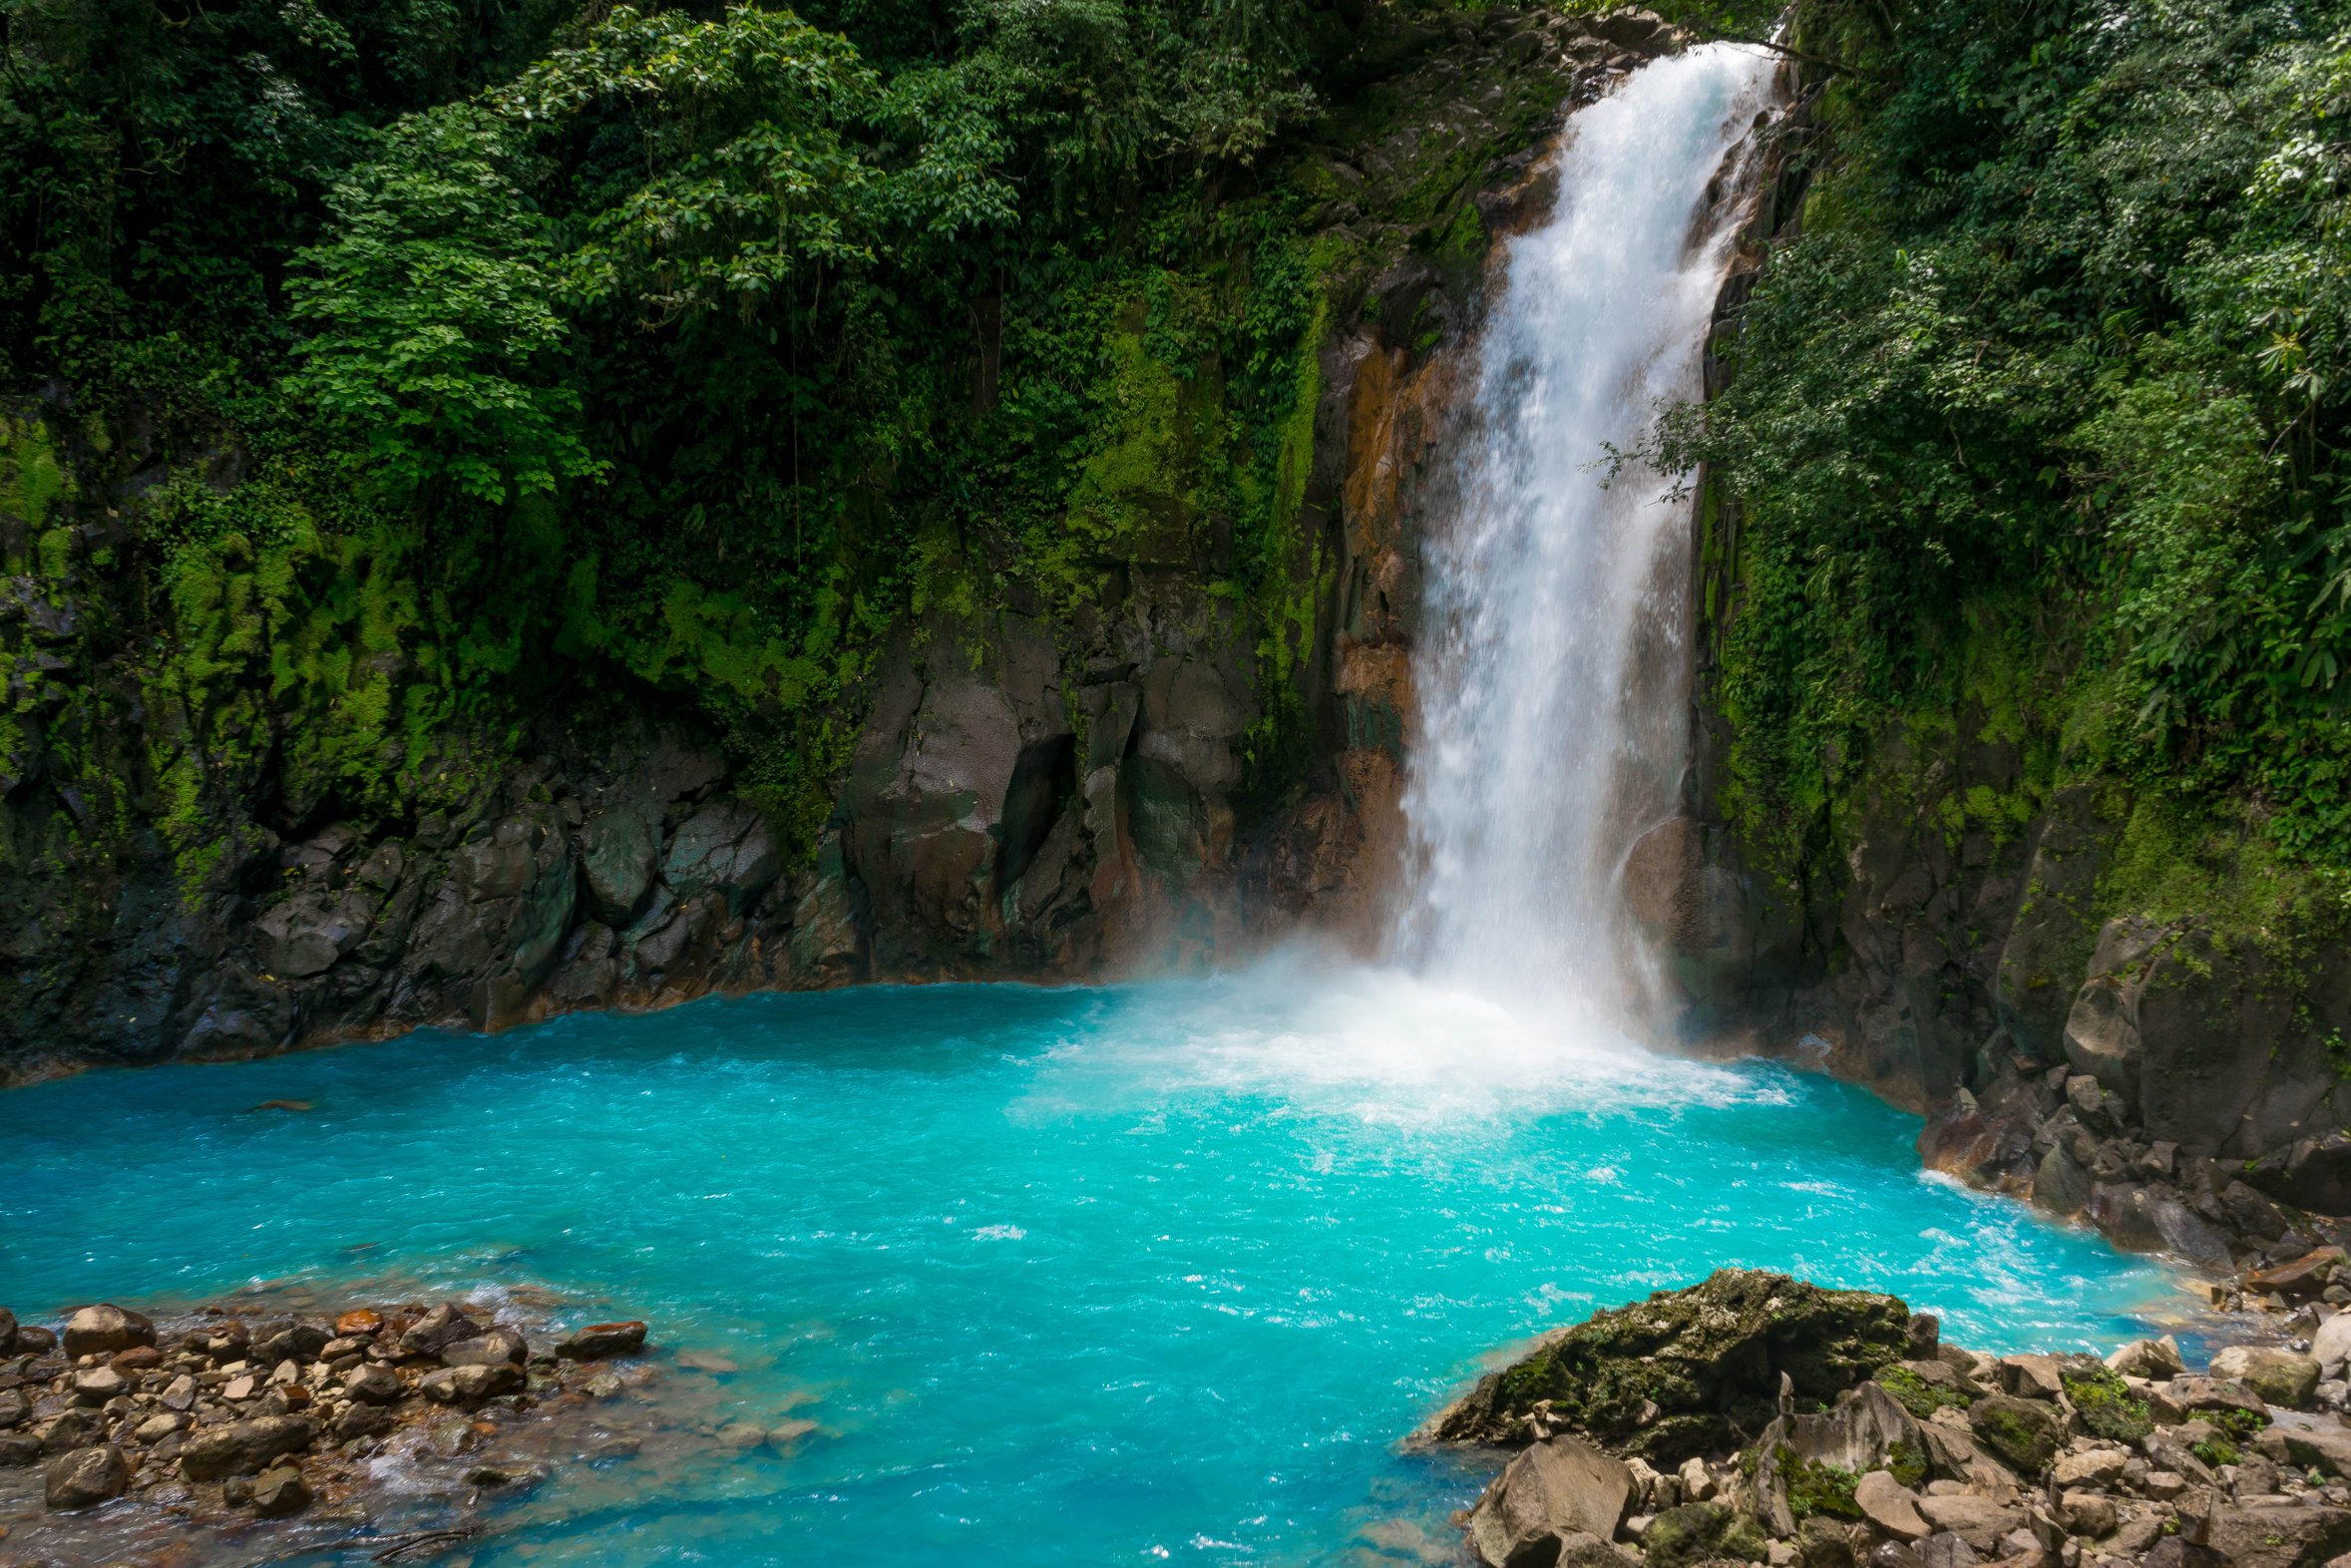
(1157, 1271)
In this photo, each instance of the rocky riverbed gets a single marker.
(1757, 1418)
(247, 1431)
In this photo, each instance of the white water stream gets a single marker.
(1551, 675)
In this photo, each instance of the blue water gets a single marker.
(1155, 1273)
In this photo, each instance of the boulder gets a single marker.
(2307, 1440)
(471, 1385)
(361, 1420)
(486, 1348)
(1804, 1458)
(71, 1430)
(295, 1341)
(2279, 1376)
(1890, 1506)
(1688, 1372)
(245, 1447)
(280, 1491)
(2023, 1434)
(97, 1384)
(620, 850)
(602, 1341)
(371, 1384)
(2298, 1280)
(2085, 1512)
(84, 1477)
(19, 1451)
(7, 1331)
(104, 1330)
(2157, 1359)
(444, 1324)
(2330, 1346)
(2215, 1397)
(1702, 1532)
(15, 1409)
(1978, 1521)
(2279, 1535)
(1555, 1489)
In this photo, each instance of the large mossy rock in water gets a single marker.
(1689, 1372)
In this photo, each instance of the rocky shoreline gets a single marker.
(401, 1430)
(1757, 1418)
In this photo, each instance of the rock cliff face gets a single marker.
(1029, 791)
(1971, 942)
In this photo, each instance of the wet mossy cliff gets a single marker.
(269, 778)
(1935, 838)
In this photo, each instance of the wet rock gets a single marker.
(105, 1328)
(602, 1341)
(7, 1331)
(245, 1447)
(787, 1436)
(158, 1427)
(1687, 1371)
(472, 1384)
(295, 1341)
(619, 850)
(2298, 1280)
(280, 1491)
(487, 1348)
(361, 1420)
(1555, 1489)
(84, 1477)
(504, 1477)
(15, 1409)
(19, 1451)
(69, 1429)
(444, 1324)
(360, 1322)
(742, 1434)
(2022, 1432)
(2279, 1376)
(371, 1384)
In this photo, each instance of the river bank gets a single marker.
(1755, 1417)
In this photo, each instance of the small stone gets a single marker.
(158, 1427)
(97, 1384)
(18, 1450)
(1698, 1482)
(284, 1372)
(15, 1409)
(360, 1324)
(361, 1420)
(104, 1330)
(469, 1384)
(72, 1429)
(2163, 1485)
(1891, 1506)
(238, 1490)
(139, 1358)
(180, 1394)
(84, 1477)
(372, 1384)
(486, 1348)
(280, 1491)
(602, 1341)
(240, 1388)
(442, 1326)
(34, 1342)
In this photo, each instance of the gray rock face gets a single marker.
(86, 1477)
(620, 850)
(1556, 1489)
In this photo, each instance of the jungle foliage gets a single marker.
(2053, 383)
(485, 354)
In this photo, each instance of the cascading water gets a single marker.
(1550, 677)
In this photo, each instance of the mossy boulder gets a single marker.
(1688, 1372)
(1703, 1532)
(2022, 1432)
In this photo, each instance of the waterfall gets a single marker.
(1551, 674)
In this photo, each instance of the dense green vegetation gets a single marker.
(479, 355)
(2037, 429)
